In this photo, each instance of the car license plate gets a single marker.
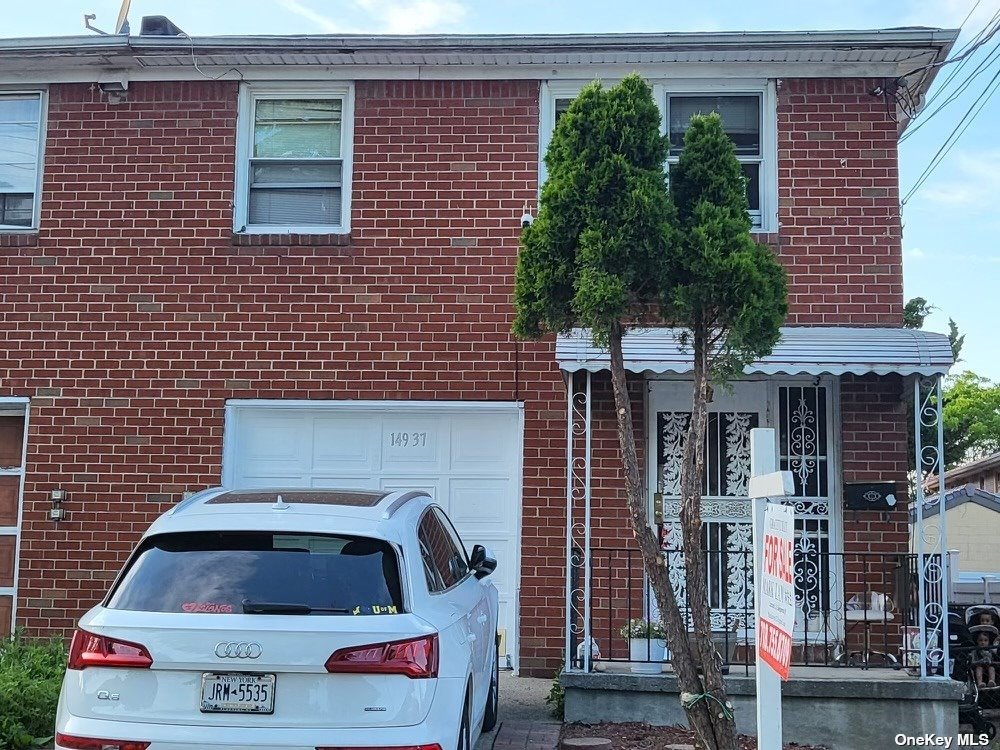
(237, 693)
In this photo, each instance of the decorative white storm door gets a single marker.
(800, 413)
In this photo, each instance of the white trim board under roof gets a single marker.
(874, 53)
(802, 350)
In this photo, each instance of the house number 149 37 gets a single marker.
(408, 439)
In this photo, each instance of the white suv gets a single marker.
(308, 619)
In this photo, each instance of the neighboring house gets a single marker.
(289, 261)
(972, 521)
(983, 473)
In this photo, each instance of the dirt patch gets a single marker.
(646, 737)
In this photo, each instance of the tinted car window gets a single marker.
(444, 563)
(216, 572)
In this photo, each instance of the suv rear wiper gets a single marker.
(279, 608)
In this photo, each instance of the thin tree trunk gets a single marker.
(692, 476)
(700, 716)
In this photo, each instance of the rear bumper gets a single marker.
(440, 725)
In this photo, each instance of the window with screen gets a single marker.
(741, 118)
(20, 152)
(298, 157)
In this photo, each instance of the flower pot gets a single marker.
(646, 655)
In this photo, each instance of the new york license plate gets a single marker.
(237, 693)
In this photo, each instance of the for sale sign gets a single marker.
(776, 598)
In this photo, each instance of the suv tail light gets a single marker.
(415, 657)
(89, 650)
(90, 743)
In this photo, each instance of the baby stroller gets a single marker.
(961, 645)
(986, 617)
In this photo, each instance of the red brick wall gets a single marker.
(838, 204)
(135, 313)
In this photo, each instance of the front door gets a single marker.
(799, 411)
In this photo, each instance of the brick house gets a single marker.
(289, 261)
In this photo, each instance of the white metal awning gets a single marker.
(807, 350)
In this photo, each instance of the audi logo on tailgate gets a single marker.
(238, 650)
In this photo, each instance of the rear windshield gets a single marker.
(237, 572)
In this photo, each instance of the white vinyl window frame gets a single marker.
(766, 220)
(36, 203)
(250, 94)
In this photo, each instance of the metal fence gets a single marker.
(852, 608)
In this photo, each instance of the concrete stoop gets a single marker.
(841, 708)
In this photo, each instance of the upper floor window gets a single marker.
(741, 119)
(748, 116)
(295, 162)
(20, 152)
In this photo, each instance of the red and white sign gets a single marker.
(776, 598)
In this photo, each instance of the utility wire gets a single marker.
(969, 50)
(984, 65)
(955, 134)
(955, 71)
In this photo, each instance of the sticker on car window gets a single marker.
(375, 609)
(208, 607)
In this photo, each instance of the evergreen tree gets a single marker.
(609, 251)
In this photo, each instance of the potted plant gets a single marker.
(646, 645)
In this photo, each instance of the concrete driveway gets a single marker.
(522, 703)
(522, 700)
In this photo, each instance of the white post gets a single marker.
(763, 463)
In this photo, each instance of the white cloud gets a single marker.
(323, 22)
(915, 253)
(384, 16)
(972, 182)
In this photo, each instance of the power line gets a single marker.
(962, 55)
(967, 119)
(983, 66)
(974, 40)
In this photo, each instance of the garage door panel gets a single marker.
(478, 447)
(345, 445)
(343, 481)
(480, 503)
(267, 481)
(278, 444)
(413, 444)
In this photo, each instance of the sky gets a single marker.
(951, 224)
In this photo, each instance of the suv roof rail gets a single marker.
(402, 500)
(193, 499)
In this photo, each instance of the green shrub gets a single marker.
(31, 672)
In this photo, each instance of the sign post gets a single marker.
(774, 593)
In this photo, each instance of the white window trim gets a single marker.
(43, 117)
(249, 94)
(553, 90)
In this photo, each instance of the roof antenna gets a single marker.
(87, 18)
(121, 25)
(280, 504)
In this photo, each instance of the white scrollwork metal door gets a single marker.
(726, 513)
(800, 412)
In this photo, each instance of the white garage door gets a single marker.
(466, 456)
